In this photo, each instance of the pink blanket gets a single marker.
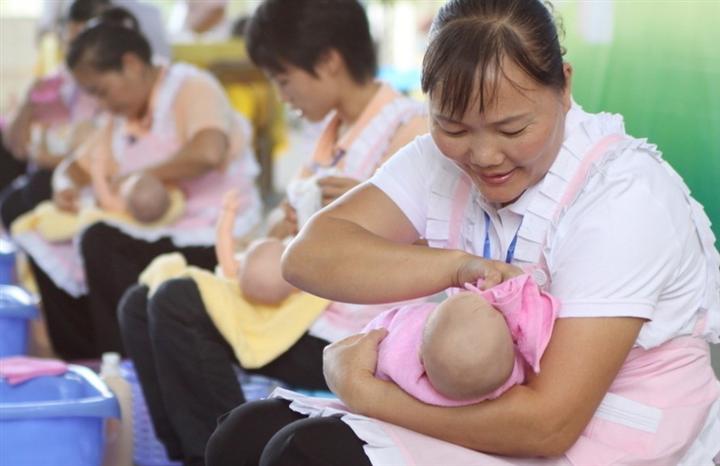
(529, 312)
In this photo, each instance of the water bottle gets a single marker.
(118, 432)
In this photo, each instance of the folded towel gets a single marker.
(257, 333)
(18, 369)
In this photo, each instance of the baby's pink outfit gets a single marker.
(529, 312)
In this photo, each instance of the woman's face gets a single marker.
(512, 144)
(124, 92)
(312, 96)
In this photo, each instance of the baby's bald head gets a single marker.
(467, 350)
(146, 197)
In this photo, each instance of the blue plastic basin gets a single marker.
(55, 420)
(7, 262)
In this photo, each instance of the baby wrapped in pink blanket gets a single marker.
(473, 346)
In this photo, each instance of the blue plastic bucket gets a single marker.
(7, 262)
(17, 307)
(55, 420)
(147, 449)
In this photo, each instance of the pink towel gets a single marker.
(529, 312)
(18, 369)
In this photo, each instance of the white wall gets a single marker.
(17, 58)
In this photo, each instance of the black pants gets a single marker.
(24, 194)
(269, 433)
(10, 167)
(186, 368)
(86, 327)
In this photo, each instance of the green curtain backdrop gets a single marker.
(658, 64)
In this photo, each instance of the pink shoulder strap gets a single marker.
(328, 145)
(580, 178)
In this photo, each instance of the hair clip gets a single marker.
(91, 23)
(126, 23)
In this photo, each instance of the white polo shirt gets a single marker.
(627, 246)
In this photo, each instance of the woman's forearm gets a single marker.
(18, 132)
(206, 151)
(339, 260)
(516, 424)
(69, 175)
(42, 155)
(545, 417)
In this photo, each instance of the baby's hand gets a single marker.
(231, 202)
(66, 199)
(226, 220)
(224, 241)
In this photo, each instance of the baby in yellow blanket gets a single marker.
(139, 199)
(258, 272)
(144, 197)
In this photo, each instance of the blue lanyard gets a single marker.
(487, 252)
(336, 158)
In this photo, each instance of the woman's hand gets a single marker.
(490, 272)
(286, 225)
(349, 367)
(333, 187)
(289, 211)
(66, 199)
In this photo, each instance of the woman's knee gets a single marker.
(133, 308)
(94, 239)
(176, 300)
(243, 433)
(318, 441)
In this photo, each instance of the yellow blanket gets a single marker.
(56, 225)
(258, 334)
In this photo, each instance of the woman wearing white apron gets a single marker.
(516, 172)
(171, 121)
(184, 350)
(54, 119)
